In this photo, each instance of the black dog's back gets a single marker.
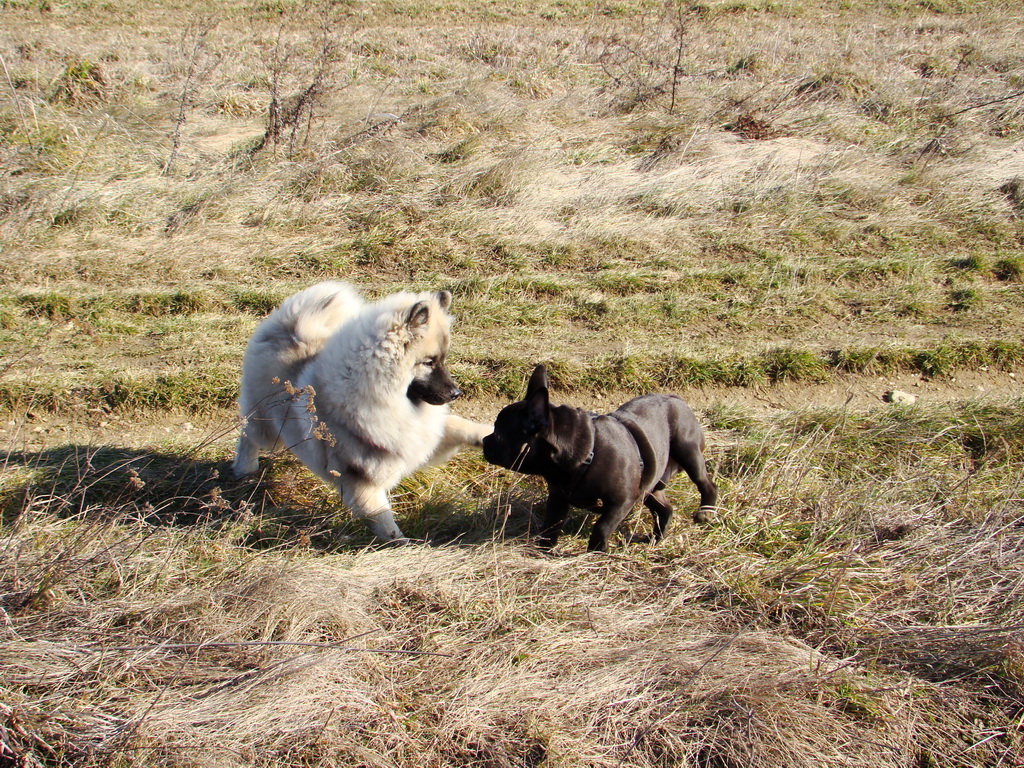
(670, 426)
(669, 410)
(651, 420)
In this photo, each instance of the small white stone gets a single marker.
(899, 397)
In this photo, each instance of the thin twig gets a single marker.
(258, 643)
(198, 31)
(1016, 95)
(17, 103)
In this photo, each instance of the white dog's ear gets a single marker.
(419, 315)
(444, 298)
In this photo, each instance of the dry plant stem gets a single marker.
(287, 115)
(194, 38)
(265, 643)
(15, 99)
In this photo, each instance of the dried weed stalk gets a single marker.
(201, 63)
(292, 110)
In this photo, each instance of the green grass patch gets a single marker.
(157, 304)
(215, 385)
(188, 390)
(52, 305)
(1009, 269)
(258, 302)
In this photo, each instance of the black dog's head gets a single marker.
(520, 425)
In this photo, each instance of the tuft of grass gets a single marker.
(723, 415)
(788, 364)
(965, 298)
(51, 305)
(460, 150)
(974, 263)
(870, 360)
(1009, 269)
(496, 184)
(173, 303)
(82, 80)
(258, 302)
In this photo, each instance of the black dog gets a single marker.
(602, 463)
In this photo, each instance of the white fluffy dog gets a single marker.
(358, 392)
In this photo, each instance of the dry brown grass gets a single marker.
(847, 612)
(795, 139)
(807, 202)
(445, 656)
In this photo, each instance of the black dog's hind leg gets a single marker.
(555, 513)
(661, 509)
(606, 525)
(691, 459)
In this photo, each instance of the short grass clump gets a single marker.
(1009, 269)
(175, 303)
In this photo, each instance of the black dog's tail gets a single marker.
(648, 455)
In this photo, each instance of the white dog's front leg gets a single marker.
(247, 456)
(370, 503)
(458, 433)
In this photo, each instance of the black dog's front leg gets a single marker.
(555, 513)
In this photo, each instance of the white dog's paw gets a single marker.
(243, 469)
(247, 458)
(482, 431)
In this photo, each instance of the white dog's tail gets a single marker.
(312, 315)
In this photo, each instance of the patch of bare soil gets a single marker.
(34, 430)
(861, 392)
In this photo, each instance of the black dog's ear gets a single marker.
(538, 380)
(444, 298)
(537, 401)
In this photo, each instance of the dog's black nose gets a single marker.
(455, 393)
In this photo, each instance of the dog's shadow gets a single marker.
(444, 520)
(281, 506)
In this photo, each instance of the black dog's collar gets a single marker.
(583, 466)
(586, 462)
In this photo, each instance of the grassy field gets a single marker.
(780, 210)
